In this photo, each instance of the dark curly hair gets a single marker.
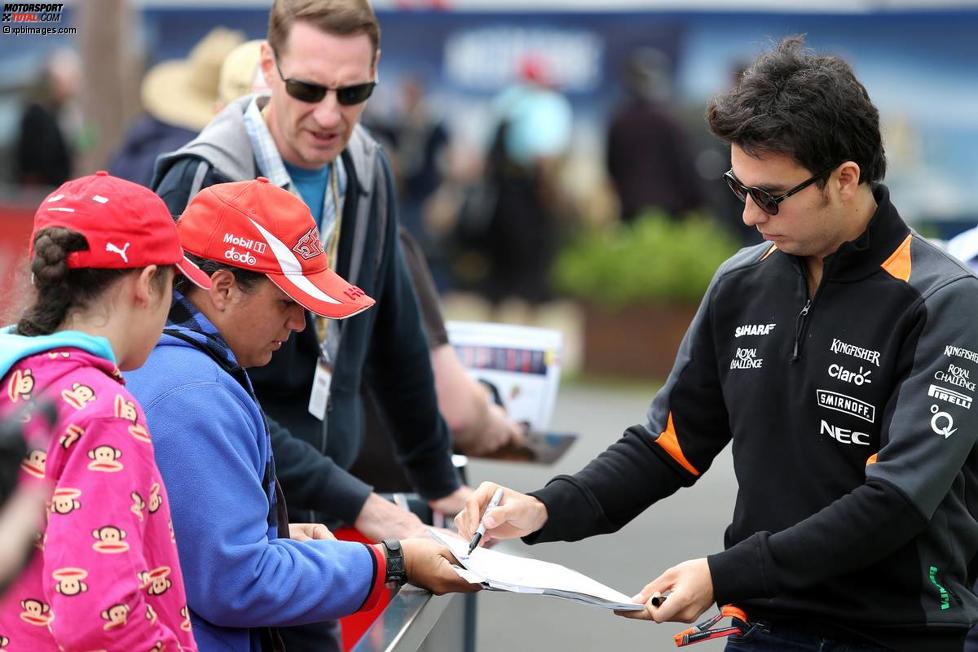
(245, 278)
(810, 107)
(58, 289)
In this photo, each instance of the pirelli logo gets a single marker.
(846, 405)
(950, 396)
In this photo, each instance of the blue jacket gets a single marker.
(213, 448)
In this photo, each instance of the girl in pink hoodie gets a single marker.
(105, 573)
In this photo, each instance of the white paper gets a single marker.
(521, 362)
(505, 572)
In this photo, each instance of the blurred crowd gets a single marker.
(490, 218)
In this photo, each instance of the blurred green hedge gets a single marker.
(654, 258)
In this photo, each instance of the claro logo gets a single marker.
(844, 435)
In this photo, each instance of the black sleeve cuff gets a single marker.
(739, 573)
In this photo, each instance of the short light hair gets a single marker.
(341, 17)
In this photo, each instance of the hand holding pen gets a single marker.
(514, 514)
(481, 530)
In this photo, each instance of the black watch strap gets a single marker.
(396, 571)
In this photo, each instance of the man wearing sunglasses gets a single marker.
(840, 361)
(320, 63)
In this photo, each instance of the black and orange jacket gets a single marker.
(853, 434)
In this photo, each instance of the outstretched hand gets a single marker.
(689, 586)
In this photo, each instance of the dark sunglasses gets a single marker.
(313, 93)
(765, 200)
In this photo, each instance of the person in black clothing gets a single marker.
(837, 359)
(44, 153)
(648, 154)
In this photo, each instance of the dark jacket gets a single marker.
(146, 139)
(853, 439)
(384, 346)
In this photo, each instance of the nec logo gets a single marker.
(844, 435)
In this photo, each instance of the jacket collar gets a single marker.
(186, 322)
(865, 255)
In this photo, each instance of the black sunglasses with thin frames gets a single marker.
(765, 200)
(313, 93)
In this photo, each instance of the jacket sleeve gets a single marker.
(400, 373)
(313, 480)
(686, 428)
(236, 575)
(91, 582)
(924, 445)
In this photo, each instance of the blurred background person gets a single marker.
(179, 98)
(533, 133)
(51, 124)
(479, 426)
(418, 142)
(241, 74)
(648, 155)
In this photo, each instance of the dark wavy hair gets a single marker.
(59, 289)
(810, 107)
(245, 278)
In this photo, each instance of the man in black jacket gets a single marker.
(837, 358)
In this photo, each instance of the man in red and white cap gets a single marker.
(243, 562)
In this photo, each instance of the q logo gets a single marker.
(942, 423)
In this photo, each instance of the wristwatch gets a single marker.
(396, 571)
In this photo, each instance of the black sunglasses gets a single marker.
(313, 93)
(765, 200)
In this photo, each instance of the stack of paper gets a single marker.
(499, 571)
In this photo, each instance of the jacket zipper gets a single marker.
(799, 328)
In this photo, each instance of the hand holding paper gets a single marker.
(690, 589)
(502, 572)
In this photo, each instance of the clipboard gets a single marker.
(540, 448)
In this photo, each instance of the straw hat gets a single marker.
(183, 92)
(241, 72)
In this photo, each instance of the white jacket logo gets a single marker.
(746, 359)
(754, 329)
(844, 435)
(957, 376)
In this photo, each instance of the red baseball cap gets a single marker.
(258, 226)
(126, 225)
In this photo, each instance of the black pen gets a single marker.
(480, 532)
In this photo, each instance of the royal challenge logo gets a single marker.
(746, 359)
